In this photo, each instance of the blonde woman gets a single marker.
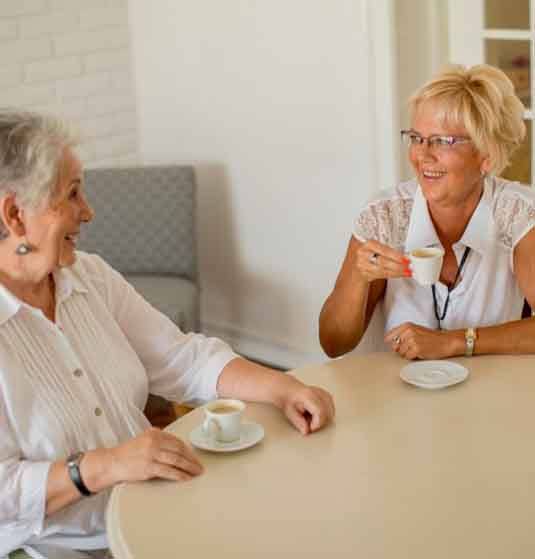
(465, 125)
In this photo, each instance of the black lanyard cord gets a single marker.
(442, 316)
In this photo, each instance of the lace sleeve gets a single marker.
(367, 225)
(386, 221)
(515, 217)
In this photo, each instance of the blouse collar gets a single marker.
(66, 282)
(422, 232)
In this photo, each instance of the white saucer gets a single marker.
(251, 434)
(434, 374)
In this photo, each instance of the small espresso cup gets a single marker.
(426, 264)
(223, 420)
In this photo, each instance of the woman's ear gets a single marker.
(485, 166)
(12, 215)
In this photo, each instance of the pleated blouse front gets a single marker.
(82, 383)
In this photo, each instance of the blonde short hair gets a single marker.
(483, 100)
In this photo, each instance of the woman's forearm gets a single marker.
(360, 284)
(307, 408)
(250, 381)
(511, 337)
(343, 320)
(95, 471)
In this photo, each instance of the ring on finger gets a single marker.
(373, 258)
(396, 340)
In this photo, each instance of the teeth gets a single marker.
(434, 174)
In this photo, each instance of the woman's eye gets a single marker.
(444, 141)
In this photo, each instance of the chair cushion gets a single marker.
(144, 219)
(177, 298)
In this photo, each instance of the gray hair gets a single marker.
(31, 149)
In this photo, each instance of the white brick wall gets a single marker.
(72, 58)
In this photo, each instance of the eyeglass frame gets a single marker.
(451, 141)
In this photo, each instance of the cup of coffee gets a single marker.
(426, 264)
(223, 420)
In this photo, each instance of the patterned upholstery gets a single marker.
(144, 227)
(144, 221)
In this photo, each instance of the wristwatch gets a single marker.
(470, 336)
(73, 466)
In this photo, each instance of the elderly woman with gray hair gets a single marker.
(79, 352)
(466, 123)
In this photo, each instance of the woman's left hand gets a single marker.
(308, 408)
(416, 342)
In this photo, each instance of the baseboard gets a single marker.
(260, 349)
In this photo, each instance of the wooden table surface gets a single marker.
(402, 473)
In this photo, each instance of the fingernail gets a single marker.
(407, 273)
(406, 260)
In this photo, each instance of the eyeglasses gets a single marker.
(435, 142)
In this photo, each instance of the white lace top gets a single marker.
(487, 292)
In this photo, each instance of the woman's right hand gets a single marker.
(378, 261)
(154, 454)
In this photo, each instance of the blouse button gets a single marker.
(77, 372)
(98, 411)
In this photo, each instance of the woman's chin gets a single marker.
(434, 191)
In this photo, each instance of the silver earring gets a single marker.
(23, 249)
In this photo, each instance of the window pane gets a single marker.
(510, 14)
(520, 168)
(513, 57)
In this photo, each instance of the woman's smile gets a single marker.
(433, 175)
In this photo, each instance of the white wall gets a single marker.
(72, 58)
(275, 103)
(422, 46)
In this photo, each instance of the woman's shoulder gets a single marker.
(506, 193)
(513, 209)
(402, 194)
(89, 263)
(90, 269)
(386, 216)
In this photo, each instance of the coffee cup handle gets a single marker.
(210, 428)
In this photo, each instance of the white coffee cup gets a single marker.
(426, 264)
(223, 420)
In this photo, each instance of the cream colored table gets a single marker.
(403, 473)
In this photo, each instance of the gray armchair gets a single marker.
(144, 227)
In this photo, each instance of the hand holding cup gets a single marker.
(376, 260)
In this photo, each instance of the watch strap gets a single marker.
(73, 467)
(470, 336)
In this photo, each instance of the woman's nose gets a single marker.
(86, 213)
(425, 152)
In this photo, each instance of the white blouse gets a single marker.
(487, 292)
(80, 384)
